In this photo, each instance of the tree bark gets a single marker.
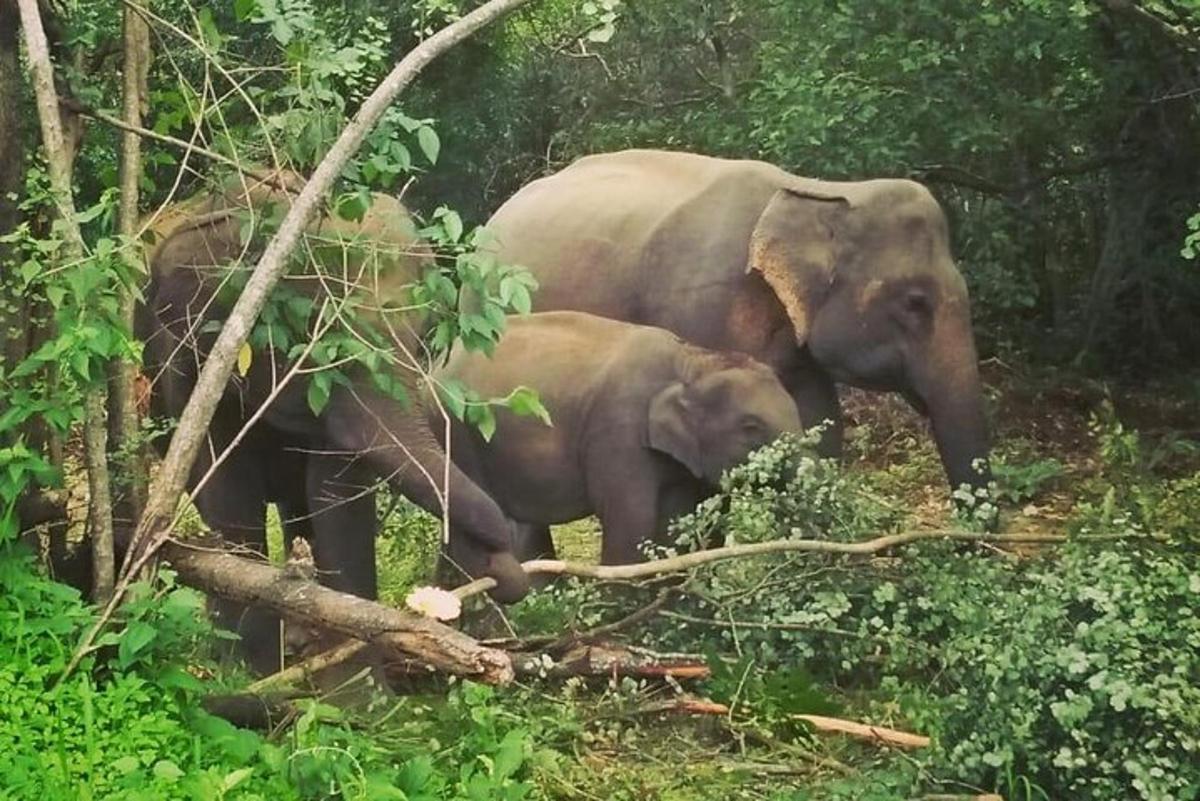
(401, 634)
(13, 324)
(122, 413)
(58, 160)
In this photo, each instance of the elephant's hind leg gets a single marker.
(233, 502)
(341, 499)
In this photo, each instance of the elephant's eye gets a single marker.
(752, 424)
(917, 302)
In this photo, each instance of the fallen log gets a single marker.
(395, 632)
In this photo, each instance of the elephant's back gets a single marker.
(377, 257)
(652, 237)
(562, 353)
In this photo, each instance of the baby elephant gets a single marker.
(643, 426)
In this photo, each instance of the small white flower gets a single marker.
(435, 603)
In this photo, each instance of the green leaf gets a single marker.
(134, 640)
(126, 764)
(319, 387)
(453, 225)
(485, 421)
(427, 138)
(353, 206)
(236, 777)
(510, 756)
(525, 402)
(168, 771)
(453, 395)
(29, 270)
(244, 9)
(520, 300)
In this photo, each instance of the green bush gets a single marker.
(128, 724)
(1075, 673)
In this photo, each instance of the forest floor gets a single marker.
(1054, 438)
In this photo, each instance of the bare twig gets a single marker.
(309, 667)
(283, 179)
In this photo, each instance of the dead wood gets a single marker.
(609, 659)
(393, 631)
(863, 731)
(687, 561)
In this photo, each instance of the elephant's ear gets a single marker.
(794, 247)
(670, 428)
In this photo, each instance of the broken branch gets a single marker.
(687, 561)
(863, 731)
(257, 583)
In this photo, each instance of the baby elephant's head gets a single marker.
(729, 407)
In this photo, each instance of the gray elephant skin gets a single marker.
(643, 426)
(825, 282)
(321, 470)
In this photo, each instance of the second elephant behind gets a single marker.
(643, 426)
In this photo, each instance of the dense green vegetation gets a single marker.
(1062, 137)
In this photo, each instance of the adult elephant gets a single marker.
(824, 281)
(321, 469)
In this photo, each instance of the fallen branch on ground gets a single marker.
(864, 731)
(399, 633)
(593, 660)
(687, 561)
(309, 667)
(609, 659)
(685, 704)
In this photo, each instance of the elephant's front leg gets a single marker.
(624, 487)
(532, 541)
(676, 499)
(817, 401)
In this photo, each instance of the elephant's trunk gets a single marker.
(953, 395)
(960, 431)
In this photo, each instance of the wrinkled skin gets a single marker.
(643, 426)
(320, 470)
(825, 282)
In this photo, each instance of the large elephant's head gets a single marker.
(864, 271)
(725, 406)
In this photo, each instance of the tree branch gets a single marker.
(687, 561)
(281, 180)
(400, 633)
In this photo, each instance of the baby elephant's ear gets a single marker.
(671, 430)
